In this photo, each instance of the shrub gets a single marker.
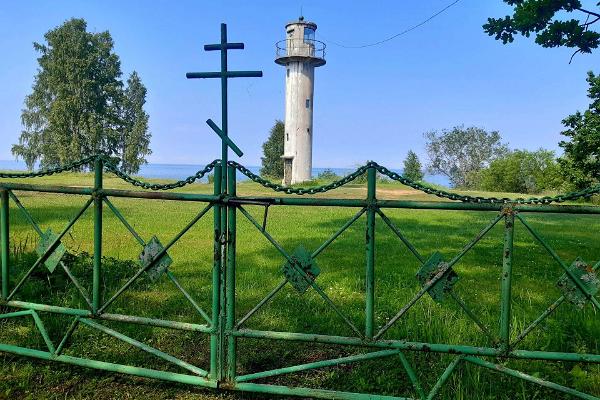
(520, 171)
(328, 175)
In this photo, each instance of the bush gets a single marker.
(328, 175)
(521, 171)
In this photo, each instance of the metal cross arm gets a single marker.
(226, 74)
(224, 46)
(225, 138)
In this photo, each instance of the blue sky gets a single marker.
(373, 103)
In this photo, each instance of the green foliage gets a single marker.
(581, 160)
(78, 106)
(521, 171)
(538, 17)
(135, 139)
(461, 152)
(412, 167)
(272, 163)
(328, 175)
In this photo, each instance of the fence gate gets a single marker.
(226, 328)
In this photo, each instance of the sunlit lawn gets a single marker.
(342, 277)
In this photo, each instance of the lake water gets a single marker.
(181, 171)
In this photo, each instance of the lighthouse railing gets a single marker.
(300, 48)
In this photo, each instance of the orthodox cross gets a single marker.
(224, 74)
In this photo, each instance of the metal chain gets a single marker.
(300, 191)
(585, 193)
(570, 196)
(155, 186)
(110, 167)
(49, 171)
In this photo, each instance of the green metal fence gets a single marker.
(437, 276)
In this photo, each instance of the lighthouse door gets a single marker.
(287, 171)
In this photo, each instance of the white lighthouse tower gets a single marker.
(299, 53)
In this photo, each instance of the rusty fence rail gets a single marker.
(436, 275)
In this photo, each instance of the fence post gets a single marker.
(215, 348)
(4, 237)
(97, 273)
(230, 278)
(370, 252)
(506, 284)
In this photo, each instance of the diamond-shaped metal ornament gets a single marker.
(54, 258)
(151, 250)
(444, 284)
(588, 278)
(303, 261)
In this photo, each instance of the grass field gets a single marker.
(342, 277)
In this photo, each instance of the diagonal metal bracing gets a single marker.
(67, 336)
(338, 233)
(437, 277)
(50, 248)
(42, 329)
(554, 255)
(266, 234)
(317, 364)
(311, 393)
(261, 303)
(521, 375)
(412, 301)
(145, 347)
(444, 377)
(78, 286)
(422, 260)
(546, 313)
(412, 375)
(124, 221)
(15, 314)
(312, 283)
(82, 291)
(401, 236)
(111, 367)
(188, 297)
(130, 319)
(26, 213)
(169, 274)
(473, 317)
(476, 240)
(271, 294)
(158, 256)
(38, 323)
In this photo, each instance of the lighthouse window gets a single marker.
(309, 35)
(287, 136)
(307, 103)
(288, 72)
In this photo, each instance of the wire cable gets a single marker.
(412, 28)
